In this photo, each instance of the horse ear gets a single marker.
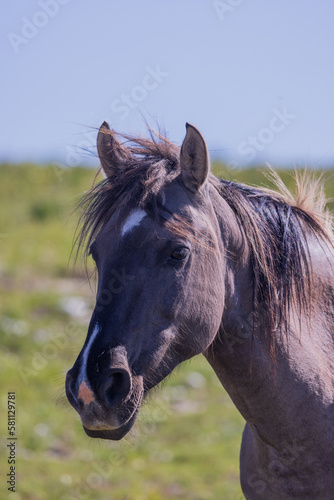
(194, 159)
(110, 150)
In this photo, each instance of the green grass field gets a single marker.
(186, 441)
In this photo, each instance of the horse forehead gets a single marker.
(133, 220)
(182, 203)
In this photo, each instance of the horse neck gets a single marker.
(262, 386)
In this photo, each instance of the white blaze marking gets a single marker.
(133, 220)
(83, 369)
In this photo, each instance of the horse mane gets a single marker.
(278, 227)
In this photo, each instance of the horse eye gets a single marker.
(179, 254)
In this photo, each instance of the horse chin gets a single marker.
(113, 434)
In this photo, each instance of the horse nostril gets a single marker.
(70, 390)
(115, 387)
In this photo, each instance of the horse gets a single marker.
(191, 264)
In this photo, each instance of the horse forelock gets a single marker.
(137, 182)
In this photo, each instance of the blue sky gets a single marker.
(256, 77)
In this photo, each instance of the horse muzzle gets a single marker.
(109, 403)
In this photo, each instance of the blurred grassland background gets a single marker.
(187, 439)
